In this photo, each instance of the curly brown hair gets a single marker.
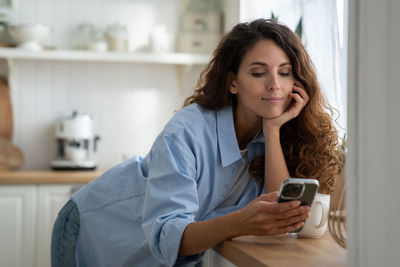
(309, 141)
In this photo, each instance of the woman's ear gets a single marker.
(232, 84)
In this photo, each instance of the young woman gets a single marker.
(256, 118)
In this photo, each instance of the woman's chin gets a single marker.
(273, 112)
(272, 115)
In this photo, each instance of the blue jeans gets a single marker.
(65, 234)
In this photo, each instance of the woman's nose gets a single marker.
(273, 83)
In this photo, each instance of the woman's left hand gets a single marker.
(300, 97)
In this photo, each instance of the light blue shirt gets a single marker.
(135, 213)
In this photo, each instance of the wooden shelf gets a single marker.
(92, 56)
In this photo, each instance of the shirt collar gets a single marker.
(227, 141)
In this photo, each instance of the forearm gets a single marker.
(200, 236)
(275, 165)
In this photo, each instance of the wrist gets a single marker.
(270, 125)
(233, 224)
(271, 132)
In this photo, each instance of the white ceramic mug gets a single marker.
(316, 225)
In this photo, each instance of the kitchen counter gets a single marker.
(48, 177)
(282, 250)
(255, 251)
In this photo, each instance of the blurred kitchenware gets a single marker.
(200, 31)
(198, 42)
(87, 36)
(28, 36)
(5, 19)
(11, 156)
(76, 143)
(202, 5)
(117, 37)
(97, 40)
(202, 21)
(6, 119)
(81, 36)
(160, 39)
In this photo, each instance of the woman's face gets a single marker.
(263, 82)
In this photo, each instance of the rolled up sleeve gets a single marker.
(171, 200)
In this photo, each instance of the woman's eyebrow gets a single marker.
(266, 65)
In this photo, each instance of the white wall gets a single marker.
(374, 130)
(130, 103)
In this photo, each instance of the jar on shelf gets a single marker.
(117, 37)
(97, 41)
(81, 36)
(89, 37)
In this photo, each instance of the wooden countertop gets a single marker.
(282, 250)
(48, 177)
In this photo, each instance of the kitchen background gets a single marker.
(44, 89)
(130, 102)
(130, 96)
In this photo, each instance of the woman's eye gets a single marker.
(258, 74)
(284, 74)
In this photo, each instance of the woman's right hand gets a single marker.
(264, 216)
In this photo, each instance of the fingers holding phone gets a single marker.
(264, 216)
(293, 219)
(303, 190)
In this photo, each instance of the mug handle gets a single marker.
(324, 214)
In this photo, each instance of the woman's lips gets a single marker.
(272, 100)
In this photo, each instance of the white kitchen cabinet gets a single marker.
(213, 259)
(17, 225)
(50, 199)
(27, 216)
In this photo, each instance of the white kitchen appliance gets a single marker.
(76, 143)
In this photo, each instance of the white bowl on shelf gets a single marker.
(28, 36)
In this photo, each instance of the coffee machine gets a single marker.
(76, 143)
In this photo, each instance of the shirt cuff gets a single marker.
(171, 236)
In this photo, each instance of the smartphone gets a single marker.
(303, 190)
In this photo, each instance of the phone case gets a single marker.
(308, 192)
